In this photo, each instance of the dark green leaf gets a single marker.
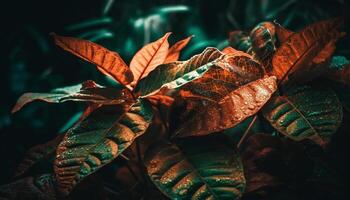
(88, 91)
(97, 140)
(200, 168)
(339, 62)
(305, 113)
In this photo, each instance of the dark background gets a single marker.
(30, 61)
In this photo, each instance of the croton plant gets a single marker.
(185, 123)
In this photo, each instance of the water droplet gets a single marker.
(251, 107)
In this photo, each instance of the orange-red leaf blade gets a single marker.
(301, 48)
(174, 51)
(148, 58)
(230, 110)
(108, 62)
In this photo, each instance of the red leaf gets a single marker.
(148, 58)
(108, 62)
(174, 51)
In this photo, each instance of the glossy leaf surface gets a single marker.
(305, 113)
(201, 168)
(108, 62)
(97, 140)
(230, 110)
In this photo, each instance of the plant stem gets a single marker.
(246, 133)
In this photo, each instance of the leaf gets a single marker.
(108, 62)
(181, 81)
(228, 50)
(97, 140)
(174, 51)
(228, 73)
(305, 113)
(36, 154)
(200, 168)
(339, 62)
(230, 110)
(148, 58)
(88, 91)
(234, 52)
(240, 41)
(263, 40)
(41, 187)
(169, 72)
(325, 55)
(293, 57)
(282, 33)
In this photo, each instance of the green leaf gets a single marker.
(305, 113)
(169, 72)
(339, 62)
(197, 168)
(88, 91)
(229, 111)
(97, 140)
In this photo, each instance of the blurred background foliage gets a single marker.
(31, 62)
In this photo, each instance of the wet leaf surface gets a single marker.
(196, 169)
(97, 140)
(305, 113)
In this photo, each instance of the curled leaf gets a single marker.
(97, 140)
(174, 51)
(305, 113)
(240, 41)
(88, 91)
(228, 73)
(108, 62)
(230, 110)
(148, 58)
(169, 72)
(263, 40)
(200, 168)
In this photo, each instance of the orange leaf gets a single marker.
(161, 99)
(108, 62)
(174, 51)
(229, 110)
(228, 50)
(295, 55)
(234, 52)
(282, 33)
(148, 58)
(326, 54)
